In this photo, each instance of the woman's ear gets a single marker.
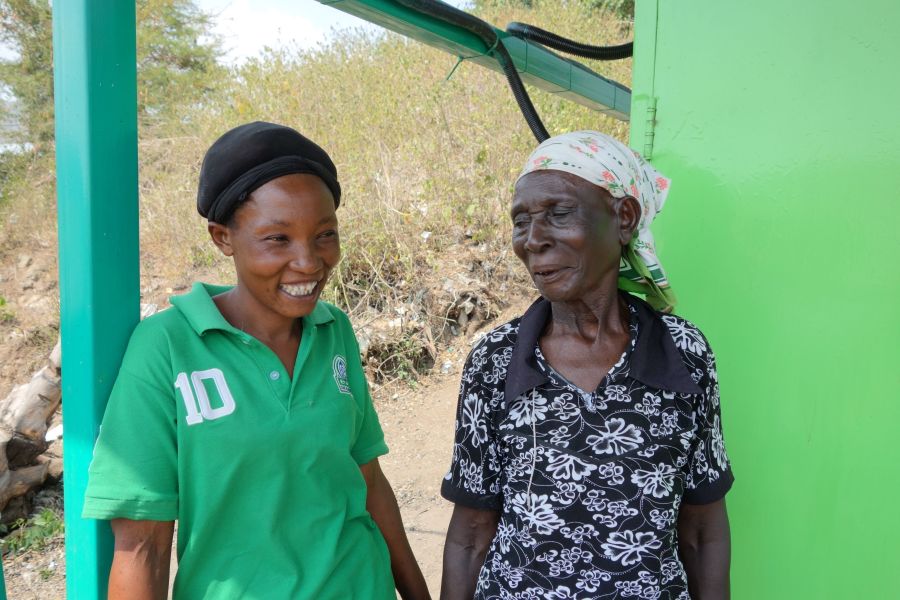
(221, 237)
(629, 212)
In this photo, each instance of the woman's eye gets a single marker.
(276, 238)
(328, 234)
(559, 216)
(520, 221)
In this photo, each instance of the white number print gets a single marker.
(196, 399)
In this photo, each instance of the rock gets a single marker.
(56, 355)
(55, 450)
(28, 407)
(55, 469)
(38, 303)
(24, 417)
(364, 338)
(54, 433)
(24, 262)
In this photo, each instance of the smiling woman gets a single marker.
(243, 412)
(284, 242)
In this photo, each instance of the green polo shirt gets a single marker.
(260, 470)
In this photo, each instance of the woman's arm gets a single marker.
(704, 544)
(468, 538)
(140, 567)
(382, 505)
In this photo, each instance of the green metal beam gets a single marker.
(97, 188)
(537, 65)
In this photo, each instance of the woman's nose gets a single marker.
(537, 239)
(305, 259)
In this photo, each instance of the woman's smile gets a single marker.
(549, 275)
(285, 243)
(299, 290)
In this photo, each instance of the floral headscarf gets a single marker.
(610, 164)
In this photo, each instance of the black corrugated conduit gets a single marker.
(495, 46)
(557, 42)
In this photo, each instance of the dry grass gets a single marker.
(427, 164)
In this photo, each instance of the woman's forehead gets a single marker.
(291, 199)
(551, 186)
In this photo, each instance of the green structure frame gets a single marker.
(536, 65)
(96, 163)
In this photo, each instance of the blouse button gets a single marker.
(274, 375)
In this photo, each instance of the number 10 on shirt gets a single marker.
(196, 398)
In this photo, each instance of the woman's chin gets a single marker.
(553, 293)
(298, 306)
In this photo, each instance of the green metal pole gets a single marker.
(2, 583)
(96, 166)
(537, 65)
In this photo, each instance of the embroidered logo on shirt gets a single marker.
(339, 367)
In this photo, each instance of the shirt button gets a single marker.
(274, 375)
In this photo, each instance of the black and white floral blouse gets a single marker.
(588, 484)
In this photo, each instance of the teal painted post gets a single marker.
(2, 583)
(97, 188)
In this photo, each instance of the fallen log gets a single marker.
(25, 415)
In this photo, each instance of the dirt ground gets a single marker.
(420, 431)
(418, 427)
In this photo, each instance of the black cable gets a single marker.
(492, 41)
(557, 42)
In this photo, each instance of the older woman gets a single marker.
(243, 411)
(589, 460)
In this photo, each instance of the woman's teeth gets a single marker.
(300, 289)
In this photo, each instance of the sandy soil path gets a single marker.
(419, 432)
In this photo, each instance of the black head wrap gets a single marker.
(252, 155)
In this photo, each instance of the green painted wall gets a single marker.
(778, 122)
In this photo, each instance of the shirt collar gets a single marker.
(201, 311)
(654, 361)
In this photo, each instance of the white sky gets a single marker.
(247, 26)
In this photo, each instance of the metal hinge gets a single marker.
(650, 131)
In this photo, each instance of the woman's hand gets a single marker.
(468, 538)
(140, 567)
(382, 505)
(704, 544)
